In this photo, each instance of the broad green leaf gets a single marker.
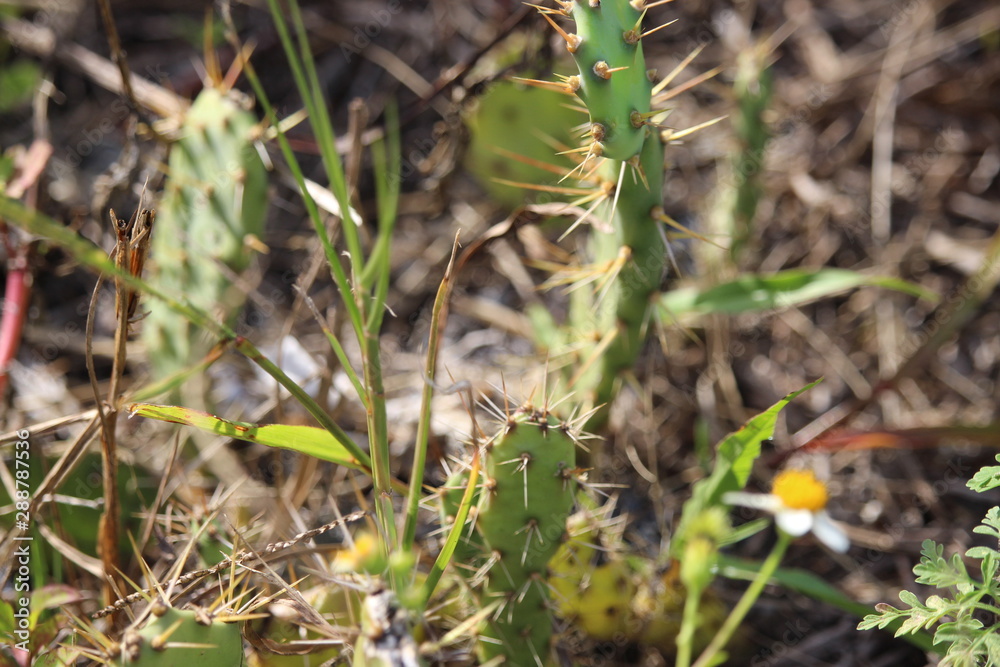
(309, 440)
(780, 290)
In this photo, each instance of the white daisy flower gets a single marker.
(798, 503)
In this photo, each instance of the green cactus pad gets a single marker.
(182, 638)
(617, 89)
(215, 196)
(528, 495)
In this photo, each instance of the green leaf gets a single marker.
(911, 599)
(982, 553)
(986, 479)
(991, 524)
(18, 81)
(780, 290)
(734, 460)
(309, 440)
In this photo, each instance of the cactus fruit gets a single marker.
(609, 596)
(520, 522)
(182, 637)
(214, 202)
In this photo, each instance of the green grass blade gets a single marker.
(781, 290)
(93, 257)
(424, 423)
(333, 260)
(444, 557)
(386, 167)
(299, 394)
(309, 440)
(809, 584)
(312, 93)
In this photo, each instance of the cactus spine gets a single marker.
(523, 506)
(614, 84)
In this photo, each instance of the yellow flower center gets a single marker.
(800, 490)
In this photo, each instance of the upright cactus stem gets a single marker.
(618, 91)
(613, 80)
(638, 235)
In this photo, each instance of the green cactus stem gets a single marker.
(618, 91)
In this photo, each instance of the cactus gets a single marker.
(610, 596)
(520, 522)
(181, 637)
(739, 187)
(619, 94)
(214, 200)
(753, 94)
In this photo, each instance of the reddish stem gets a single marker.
(15, 310)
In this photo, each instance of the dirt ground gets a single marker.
(884, 158)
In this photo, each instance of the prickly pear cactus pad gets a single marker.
(182, 638)
(527, 498)
(214, 198)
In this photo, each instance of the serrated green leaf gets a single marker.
(914, 623)
(873, 621)
(991, 642)
(962, 630)
(989, 526)
(309, 440)
(734, 461)
(986, 479)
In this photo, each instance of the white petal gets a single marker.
(795, 522)
(760, 501)
(830, 534)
